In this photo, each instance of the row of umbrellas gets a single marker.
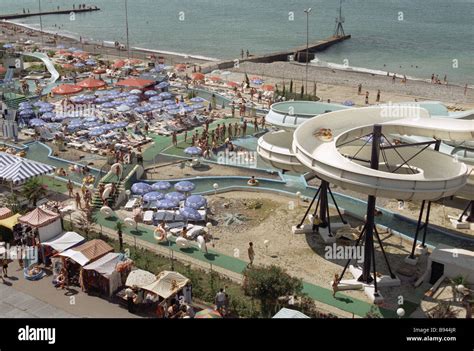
(141, 188)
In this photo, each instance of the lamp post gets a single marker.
(298, 196)
(400, 312)
(215, 186)
(307, 11)
(126, 28)
(41, 21)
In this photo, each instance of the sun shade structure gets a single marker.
(91, 83)
(289, 313)
(39, 217)
(64, 241)
(88, 252)
(198, 76)
(135, 83)
(167, 284)
(66, 89)
(17, 170)
(5, 213)
(140, 278)
(10, 222)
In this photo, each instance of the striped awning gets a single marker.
(39, 217)
(5, 213)
(18, 170)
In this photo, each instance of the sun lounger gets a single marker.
(131, 204)
(203, 214)
(148, 217)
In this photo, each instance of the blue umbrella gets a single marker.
(175, 196)
(90, 119)
(36, 122)
(96, 131)
(25, 106)
(162, 85)
(141, 188)
(8, 46)
(169, 103)
(79, 65)
(162, 185)
(173, 112)
(165, 95)
(58, 118)
(185, 186)
(91, 63)
(124, 95)
(48, 115)
(193, 151)
(108, 105)
(72, 49)
(257, 81)
(197, 107)
(167, 204)
(156, 106)
(195, 201)
(120, 124)
(155, 98)
(190, 213)
(197, 99)
(348, 103)
(27, 113)
(153, 196)
(150, 93)
(45, 109)
(92, 124)
(60, 46)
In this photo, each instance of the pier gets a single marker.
(91, 8)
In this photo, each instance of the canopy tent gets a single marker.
(10, 222)
(66, 89)
(140, 278)
(167, 284)
(64, 241)
(91, 83)
(135, 83)
(17, 170)
(5, 213)
(289, 313)
(48, 223)
(104, 273)
(87, 252)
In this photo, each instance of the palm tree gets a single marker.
(119, 227)
(34, 190)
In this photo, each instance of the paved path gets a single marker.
(17, 304)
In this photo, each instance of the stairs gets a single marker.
(112, 201)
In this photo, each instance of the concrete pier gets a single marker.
(91, 8)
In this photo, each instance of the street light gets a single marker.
(41, 22)
(307, 11)
(400, 312)
(126, 26)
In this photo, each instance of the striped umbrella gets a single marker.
(141, 188)
(153, 196)
(175, 196)
(190, 213)
(193, 151)
(184, 186)
(167, 204)
(208, 313)
(162, 185)
(195, 201)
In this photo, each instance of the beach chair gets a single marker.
(130, 204)
(203, 214)
(160, 215)
(148, 217)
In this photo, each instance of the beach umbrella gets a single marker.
(107, 105)
(162, 85)
(60, 46)
(100, 71)
(101, 100)
(197, 99)
(25, 106)
(193, 151)
(120, 124)
(97, 131)
(233, 84)
(162, 185)
(90, 119)
(208, 313)
(91, 63)
(155, 99)
(169, 102)
(125, 94)
(36, 122)
(123, 108)
(173, 112)
(118, 64)
(45, 109)
(153, 196)
(136, 92)
(8, 46)
(215, 79)
(268, 87)
(91, 83)
(73, 49)
(156, 106)
(48, 115)
(184, 186)
(257, 81)
(190, 214)
(92, 124)
(141, 188)
(66, 89)
(175, 196)
(165, 95)
(166, 204)
(216, 71)
(195, 201)
(79, 65)
(150, 93)
(27, 113)
(198, 76)
(348, 103)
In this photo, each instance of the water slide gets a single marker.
(430, 175)
(49, 66)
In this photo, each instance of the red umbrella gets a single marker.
(215, 79)
(119, 64)
(198, 76)
(99, 71)
(233, 84)
(66, 89)
(208, 314)
(2, 70)
(268, 87)
(91, 83)
(68, 66)
(135, 83)
(63, 52)
(180, 67)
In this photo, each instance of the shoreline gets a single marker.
(317, 63)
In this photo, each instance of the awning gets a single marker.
(167, 284)
(88, 252)
(140, 278)
(39, 217)
(5, 213)
(289, 313)
(105, 265)
(135, 83)
(64, 241)
(18, 170)
(10, 222)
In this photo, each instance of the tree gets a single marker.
(283, 93)
(34, 190)
(269, 283)
(11, 202)
(119, 227)
(443, 310)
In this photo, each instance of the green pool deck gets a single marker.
(236, 265)
(163, 144)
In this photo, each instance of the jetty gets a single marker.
(91, 8)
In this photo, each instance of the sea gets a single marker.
(417, 38)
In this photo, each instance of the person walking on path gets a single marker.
(359, 89)
(378, 96)
(366, 97)
(78, 200)
(70, 188)
(335, 285)
(175, 139)
(251, 254)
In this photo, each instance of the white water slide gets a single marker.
(428, 175)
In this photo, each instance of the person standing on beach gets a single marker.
(174, 139)
(366, 97)
(251, 254)
(359, 89)
(335, 285)
(70, 188)
(255, 124)
(465, 90)
(244, 128)
(394, 77)
(378, 96)
(242, 53)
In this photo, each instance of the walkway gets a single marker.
(235, 265)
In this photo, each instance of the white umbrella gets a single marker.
(123, 108)
(136, 92)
